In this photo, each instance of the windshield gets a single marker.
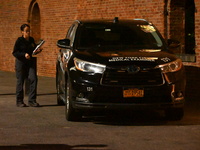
(119, 35)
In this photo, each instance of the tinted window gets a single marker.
(129, 35)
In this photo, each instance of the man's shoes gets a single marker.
(21, 105)
(33, 104)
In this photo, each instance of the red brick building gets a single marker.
(50, 19)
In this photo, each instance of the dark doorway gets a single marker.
(189, 27)
(176, 23)
(182, 25)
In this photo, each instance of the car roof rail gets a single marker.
(78, 21)
(138, 19)
(141, 19)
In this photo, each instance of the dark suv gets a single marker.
(118, 64)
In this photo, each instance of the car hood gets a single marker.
(156, 56)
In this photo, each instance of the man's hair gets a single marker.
(24, 26)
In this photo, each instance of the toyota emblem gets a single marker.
(133, 69)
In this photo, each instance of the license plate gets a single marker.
(133, 92)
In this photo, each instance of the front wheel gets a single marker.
(71, 113)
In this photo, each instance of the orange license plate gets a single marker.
(133, 92)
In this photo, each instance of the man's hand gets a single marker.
(27, 56)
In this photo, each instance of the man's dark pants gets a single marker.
(26, 70)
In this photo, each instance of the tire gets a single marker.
(71, 113)
(174, 114)
(58, 85)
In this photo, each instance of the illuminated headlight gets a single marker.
(86, 66)
(171, 67)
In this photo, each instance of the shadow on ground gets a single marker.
(54, 147)
(137, 118)
(146, 118)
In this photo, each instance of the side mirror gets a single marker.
(64, 43)
(173, 43)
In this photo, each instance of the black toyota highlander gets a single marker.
(118, 65)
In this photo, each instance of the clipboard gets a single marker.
(37, 47)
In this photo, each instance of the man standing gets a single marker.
(25, 67)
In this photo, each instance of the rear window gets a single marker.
(129, 35)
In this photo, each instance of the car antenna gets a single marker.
(116, 20)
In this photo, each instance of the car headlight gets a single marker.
(86, 66)
(171, 67)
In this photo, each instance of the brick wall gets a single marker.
(56, 17)
(10, 20)
(197, 32)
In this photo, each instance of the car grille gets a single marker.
(120, 76)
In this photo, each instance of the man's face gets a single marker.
(26, 32)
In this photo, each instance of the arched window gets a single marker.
(34, 20)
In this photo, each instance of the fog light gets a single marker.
(81, 95)
(179, 94)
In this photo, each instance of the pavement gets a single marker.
(8, 80)
(30, 125)
(46, 86)
(46, 128)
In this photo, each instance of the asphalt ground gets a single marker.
(46, 128)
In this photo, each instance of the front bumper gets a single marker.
(93, 97)
(130, 106)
